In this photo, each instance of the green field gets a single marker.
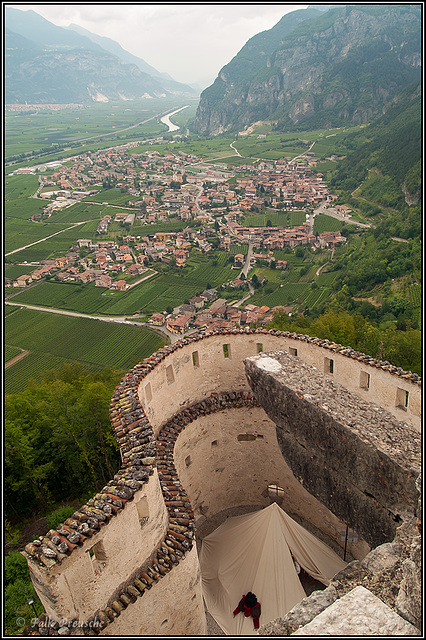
(50, 247)
(290, 294)
(54, 339)
(44, 129)
(20, 233)
(326, 278)
(326, 223)
(416, 295)
(154, 294)
(10, 352)
(81, 212)
(281, 219)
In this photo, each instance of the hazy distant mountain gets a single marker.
(48, 64)
(317, 68)
(116, 49)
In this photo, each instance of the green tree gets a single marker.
(58, 440)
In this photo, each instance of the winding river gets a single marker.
(166, 119)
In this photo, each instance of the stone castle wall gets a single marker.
(199, 368)
(192, 440)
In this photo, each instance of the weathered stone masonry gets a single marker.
(139, 530)
(352, 455)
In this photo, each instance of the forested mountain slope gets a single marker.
(391, 144)
(383, 166)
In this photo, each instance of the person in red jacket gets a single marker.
(250, 607)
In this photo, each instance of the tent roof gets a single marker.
(254, 553)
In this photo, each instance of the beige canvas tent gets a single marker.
(252, 553)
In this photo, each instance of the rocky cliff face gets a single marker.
(340, 67)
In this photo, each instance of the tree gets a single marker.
(58, 440)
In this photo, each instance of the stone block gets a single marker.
(358, 613)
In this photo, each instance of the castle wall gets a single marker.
(189, 405)
(230, 458)
(201, 367)
(353, 456)
(171, 607)
(83, 582)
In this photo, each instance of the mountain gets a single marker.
(116, 49)
(317, 68)
(391, 148)
(45, 64)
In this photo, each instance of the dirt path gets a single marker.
(319, 269)
(15, 359)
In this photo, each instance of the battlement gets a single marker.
(189, 429)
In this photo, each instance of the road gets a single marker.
(301, 154)
(237, 152)
(46, 238)
(246, 267)
(12, 361)
(142, 279)
(116, 319)
(331, 211)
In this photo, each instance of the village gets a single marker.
(211, 201)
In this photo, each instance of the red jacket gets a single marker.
(254, 612)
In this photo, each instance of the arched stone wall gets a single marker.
(147, 537)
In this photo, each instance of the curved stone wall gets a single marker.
(197, 366)
(136, 536)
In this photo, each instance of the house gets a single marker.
(237, 284)
(40, 273)
(187, 309)
(209, 294)
(197, 301)
(135, 269)
(178, 324)
(61, 262)
(22, 281)
(119, 285)
(181, 256)
(87, 276)
(263, 310)
(225, 243)
(157, 319)
(103, 281)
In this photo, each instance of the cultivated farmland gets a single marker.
(54, 339)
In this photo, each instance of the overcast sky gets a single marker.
(191, 42)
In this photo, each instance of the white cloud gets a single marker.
(191, 42)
